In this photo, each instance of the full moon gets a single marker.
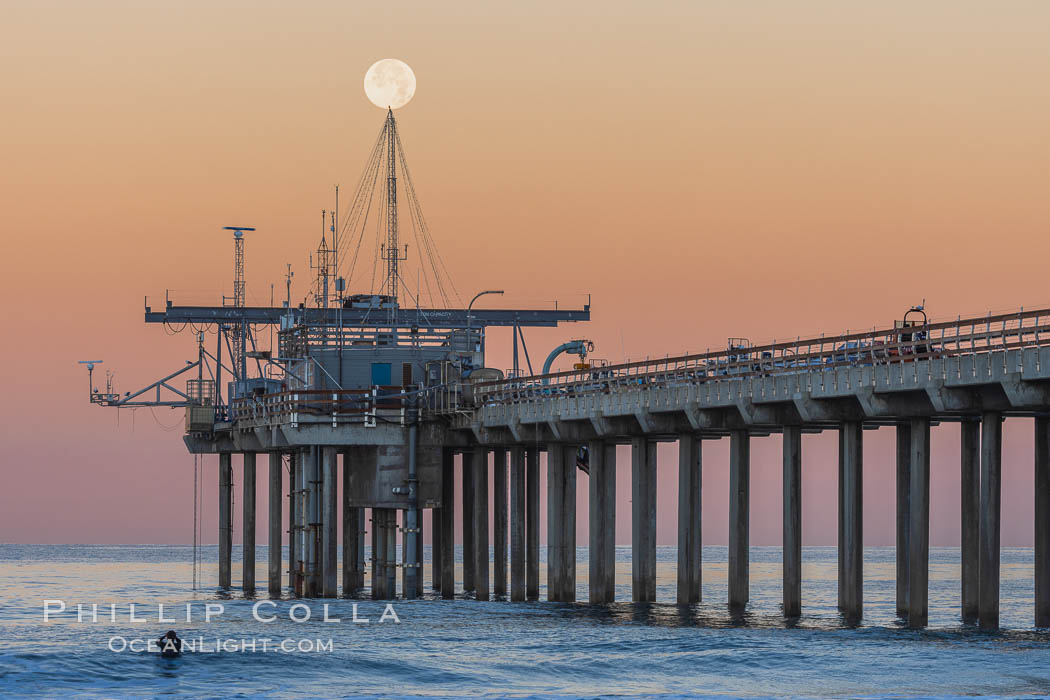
(390, 83)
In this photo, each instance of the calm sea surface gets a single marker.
(467, 648)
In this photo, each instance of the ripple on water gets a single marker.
(465, 647)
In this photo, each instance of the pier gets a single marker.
(393, 396)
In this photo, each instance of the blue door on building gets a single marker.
(380, 374)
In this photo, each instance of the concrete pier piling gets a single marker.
(903, 431)
(561, 523)
(555, 467)
(248, 474)
(991, 505)
(919, 523)
(384, 571)
(329, 511)
(469, 555)
(851, 515)
(303, 531)
(568, 543)
(643, 520)
(225, 518)
(273, 564)
(391, 553)
(293, 519)
(517, 523)
(1042, 521)
(351, 535)
(970, 487)
(739, 517)
(448, 524)
(601, 458)
(841, 541)
(410, 571)
(435, 549)
(378, 545)
(481, 524)
(362, 533)
(532, 524)
(499, 522)
(689, 556)
(419, 553)
(792, 515)
(312, 588)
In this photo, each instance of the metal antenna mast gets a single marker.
(240, 334)
(391, 253)
(323, 267)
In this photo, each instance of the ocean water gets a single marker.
(498, 648)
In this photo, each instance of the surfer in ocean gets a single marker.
(170, 645)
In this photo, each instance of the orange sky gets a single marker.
(704, 169)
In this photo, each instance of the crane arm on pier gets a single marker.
(139, 398)
(199, 391)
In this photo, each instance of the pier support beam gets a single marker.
(852, 527)
(362, 532)
(499, 522)
(293, 519)
(469, 555)
(792, 532)
(481, 524)
(517, 523)
(391, 553)
(419, 553)
(378, 554)
(919, 524)
(561, 523)
(991, 506)
(689, 557)
(448, 525)
(411, 559)
(739, 518)
(435, 549)
(841, 541)
(329, 544)
(313, 521)
(970, 543)
(248, 463)
(225, 517)
(1042, 521)
(555, 467)
(643, 520)
(351, 535)
(903, 515)
(273, 547)
(601, 484)
(532, 524)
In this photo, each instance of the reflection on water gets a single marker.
(467, 647)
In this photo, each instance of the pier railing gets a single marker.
(341, 406)
(902, 343)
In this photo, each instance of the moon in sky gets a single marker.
(390, 83)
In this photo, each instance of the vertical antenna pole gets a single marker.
(335, 235)
(392, 254)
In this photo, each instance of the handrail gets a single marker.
(876, 347)
(824, 340)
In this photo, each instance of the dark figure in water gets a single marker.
(170, 645)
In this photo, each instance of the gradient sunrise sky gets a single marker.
(703, 169)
